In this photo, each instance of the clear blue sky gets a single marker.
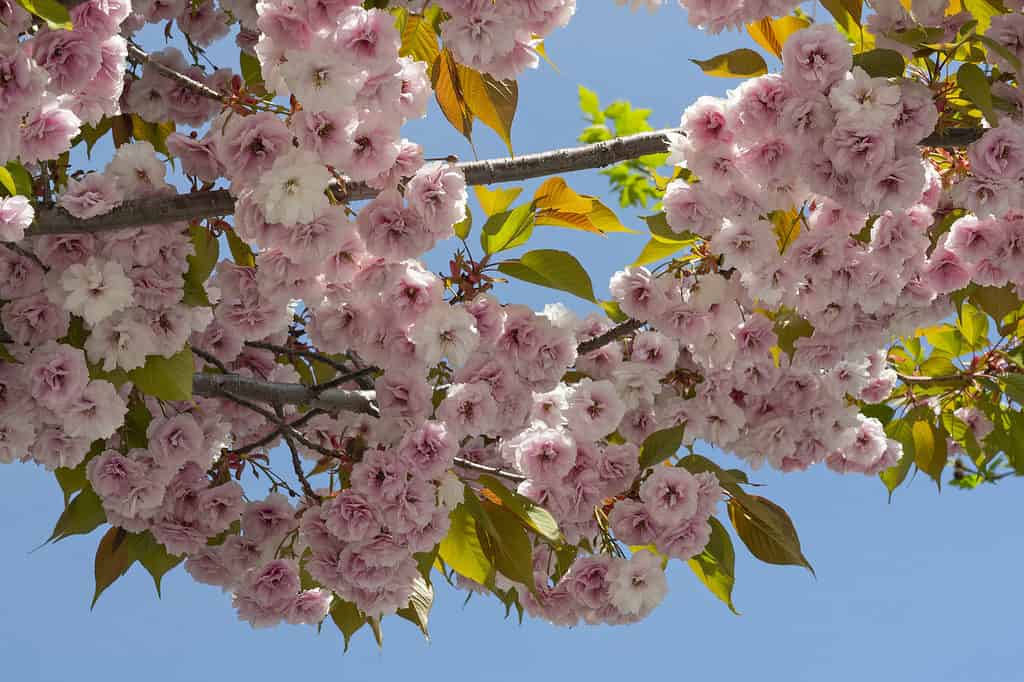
(924, 588)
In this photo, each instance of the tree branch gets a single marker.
(139, 57)
(213, 385)
(209, 204)
(614, 334)
(483, 468)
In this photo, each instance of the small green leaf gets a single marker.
(899, 430)
(656, 250)
(767, 531)
(82, 516)
(508, 229)
(741, 63)
(716, 565)
(1014, 387)
(661, 445)
(973, 324)
(976, 88)
(240, 251)
(554, 269)
(22, 179)
(881, 63)
(200, 265)
(348, 618)
(590, 104)
(55, 14)
(166, 378)
(7, 181)
(252, 74)
(511, 549)
(114, 557)
(460, 549)
(463, 227)
(153, 556)
(929, 448)
(496, 200)
(533, 515)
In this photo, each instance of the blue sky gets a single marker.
(923, 588)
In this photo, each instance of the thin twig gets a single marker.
(614, 334)
(140, 57)
(270, 437)
(209, 358)
(296, 462)
(469, 464)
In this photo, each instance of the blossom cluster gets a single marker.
(54, 80)
(714, 16)
(501, 38)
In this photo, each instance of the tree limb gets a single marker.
(213, 385)
(139, 57)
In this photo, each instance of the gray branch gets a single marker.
(214, 385)
(200, 205)
(140, 57)
(210, 204)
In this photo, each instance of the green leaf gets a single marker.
(153, 556)
(114, 557)
(510, 546)
(767, 531)
(252, 74)
(613, 311)
(348, 618)
(741, 63)
(166, 378)
(200, 265)
(492, 101)
(788, 328)
(996, 301)
(983, 11)
(507, 230)
(973, 324)
(553, 269)
(84, 515)
(22, 179)
(946, 338)
(240, 251)
(533, 515)
(899, 430)
(976, 88)
(658, 225)
(846, 12)
(729, 479)
(661, 445)
(656, 250)
(929, 448)
(590, 104)
(1013, 385)
(461, 550)
(881, 63)
(716, 565)
(418, 610)
(7, 181)
(55, 14)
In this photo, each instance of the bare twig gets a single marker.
(360, 402)
(483, 468)
(614, 334)
(140, 57)
(296, 462)
(270, 437)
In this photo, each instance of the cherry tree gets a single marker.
(252, 373)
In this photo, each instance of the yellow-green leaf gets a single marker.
(508, 229)
(975, 87)
(419, 40)
(716, 565)
(240, 251)
(656, 250)
(881, 63)
(771, 34)
(555, 194)
(7, 180)
(741, 63)
(490, 100)
(554, 269)
(661, 445)
(533, 515)
(166, 378)
(463, 227)
(929, 449)
(460, 549)
(55, 14)
(496, 200)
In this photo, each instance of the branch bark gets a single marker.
(139, 57)
(210, 204)
(214, 385)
